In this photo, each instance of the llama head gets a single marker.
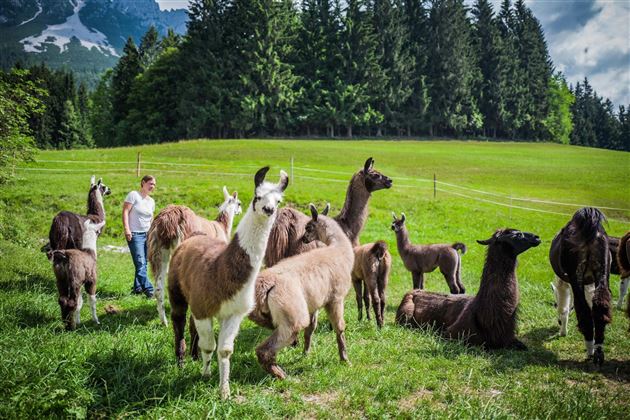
(374, 180)
(513, 240)
(99, 186)
(90, 234)
(267, 195)
(231, 203)
(317, 228)
(398, 224)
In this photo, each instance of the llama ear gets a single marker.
(260, 176)
(92, 181)
(284, 181)
(326, 209)
(368, 164)
(487, 241)
(100, 181)
(226, 194)
(235, 194)
(314, 213)
(394, 216)
(99, 226)
(402, 217)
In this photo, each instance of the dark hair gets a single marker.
(147, 178)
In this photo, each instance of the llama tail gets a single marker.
(458, 246)
(623, 255)
(588, 221)
(57, 256)
(261, 314)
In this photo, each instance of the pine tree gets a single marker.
(83, 112)
(128, 67)
(170, 40)
(624, 128)
(70, 128)
(150, 47)
(558, 122)
(102, 113)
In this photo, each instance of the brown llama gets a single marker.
(66, 231)
(289, 294)
(370, 275)
(580, 258)
(286, 236)
(420, 259)
(217, 279)
(173, 225)
(487, 319)
(623, 260)
(74, 268)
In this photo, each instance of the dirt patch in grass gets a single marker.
(409, 402)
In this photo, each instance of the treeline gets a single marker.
(337, 69)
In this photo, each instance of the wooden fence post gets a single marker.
(138, 165)
(292, 179)
(434, 186)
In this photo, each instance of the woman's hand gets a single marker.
(128, 235)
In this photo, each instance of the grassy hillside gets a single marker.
(126, 366)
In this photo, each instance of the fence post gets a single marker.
(434, 186)
(138, 165)
(292, 179)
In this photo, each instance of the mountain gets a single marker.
(86, 36)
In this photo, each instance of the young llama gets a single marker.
(66, 231)
(74, 268)
(370, 275)
(487, 319)
(173, 225)
(285, 239)
(420, 259)
(217, 280)
(289, 294)
(580, 258)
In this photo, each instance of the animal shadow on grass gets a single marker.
(28, 317)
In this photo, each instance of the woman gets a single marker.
(137, 214)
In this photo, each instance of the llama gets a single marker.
(173, 225)
(623, 261)
(580, 259)
(216, 279)
(74, 268)
(370, 275)
(420, 259)
(289, 294)
(286, 235)
(487, 319)
(66, 231)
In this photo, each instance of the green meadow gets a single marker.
(126, 367)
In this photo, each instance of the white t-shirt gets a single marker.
(141, 212)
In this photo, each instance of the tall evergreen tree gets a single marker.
(102, 112)
(128, 67)
(150, 47)
(558, 122)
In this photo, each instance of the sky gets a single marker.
(586, 38)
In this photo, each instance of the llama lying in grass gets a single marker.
(623, 260)
(66, 231)
(74, 268)
(217, 280)
(580, 258)
(173, 225)
(420, 259)
(487, 319)
(286, 235)
(370, 275)
(289, 294)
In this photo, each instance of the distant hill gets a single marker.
(86, 36)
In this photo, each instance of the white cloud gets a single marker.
(172, 4)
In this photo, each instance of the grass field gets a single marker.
(126, 366)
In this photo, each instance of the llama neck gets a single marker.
(226, 219)
(89, 242)
(95, 205)
(402, 240)
(498, 297)
(354, 213)
(253, 233)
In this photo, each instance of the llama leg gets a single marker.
(178, 319)
(450, 274)
(458, 275)
(585, 319)
(159, 293)
(194, 338)
(93, 308)
(77, 311)
(308, 332)
(382, 312)
(227, 335)
(366, 301)
(418, 279)
(206, 342)
(335, 314)
(562, 291)
(601, 316)
(623, 289)
(358, 291)
(376, 305)
(267, 350)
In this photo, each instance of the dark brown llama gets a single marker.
(623, 260)
(66, 231)
(74, 268)
(420, 259)
(286, 235)
(580, 258)
(487, 319)
(370, 275)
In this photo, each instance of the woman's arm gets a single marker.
(125, 219)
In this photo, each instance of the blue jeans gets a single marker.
(138, 248)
